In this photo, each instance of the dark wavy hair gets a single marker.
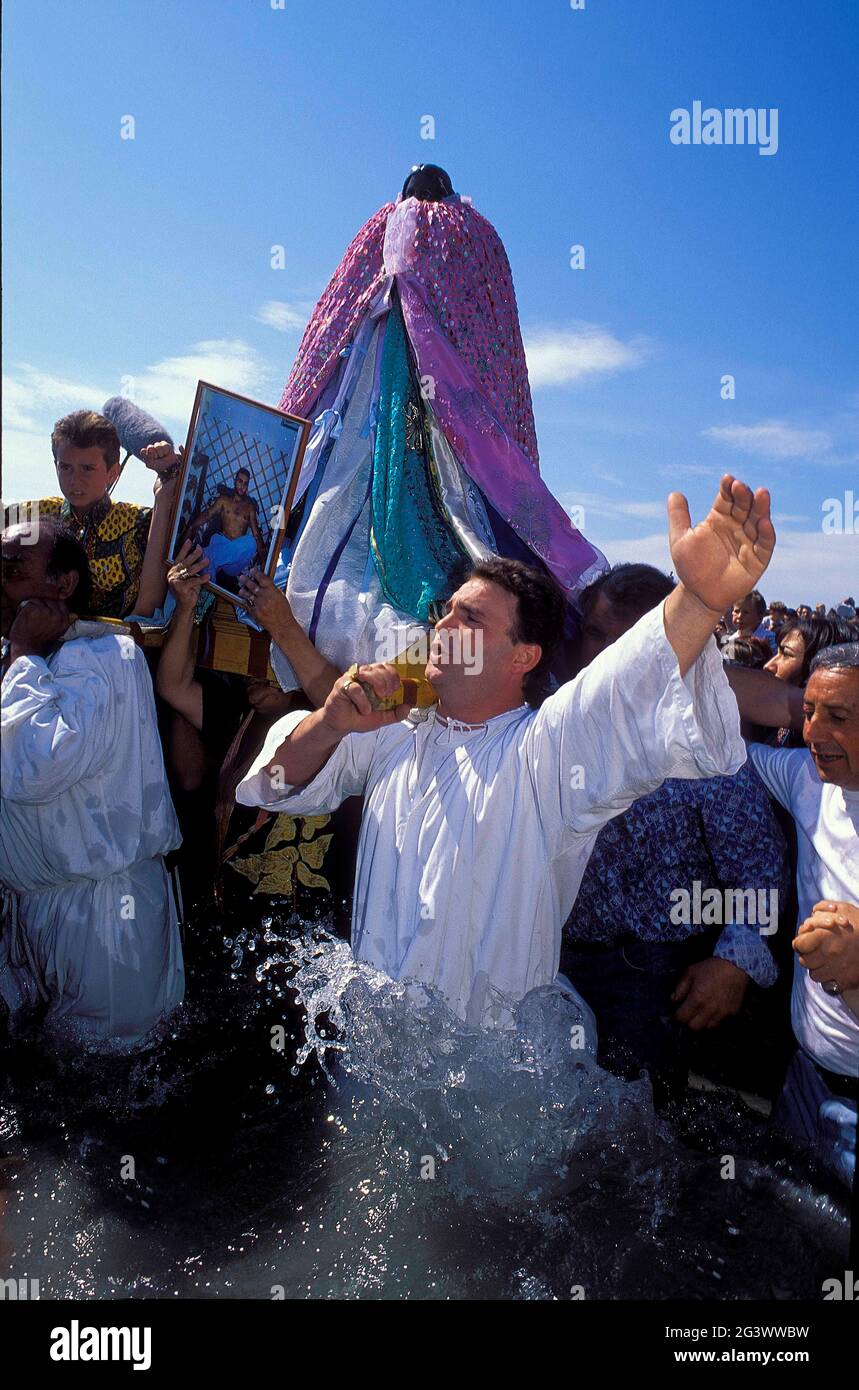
(540, 609)
(631, 589)
(746, 651)
(817, 634)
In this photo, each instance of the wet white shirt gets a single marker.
(91, 926)
(827, 827)
(474, 841)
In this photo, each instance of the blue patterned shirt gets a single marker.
(716, 832)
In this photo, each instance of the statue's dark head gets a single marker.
(428, 182)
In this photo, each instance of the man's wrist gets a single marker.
(284, 627)
(185, 612)
(685, 592)
(328, 732)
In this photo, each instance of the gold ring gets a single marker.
(183, 573)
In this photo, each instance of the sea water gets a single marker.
(312, 1129)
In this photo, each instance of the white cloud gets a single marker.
(30, 395)
(598, 504)
(772, 439)
(284, 317)
(556, 357)
(166, 389)
(34, 399)
(807, 566)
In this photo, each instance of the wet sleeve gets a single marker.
(53, 726)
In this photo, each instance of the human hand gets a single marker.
(268, 701)
(261, 596)
(187, 576)
(827, 944)
(722, 558)
(709, 992)
(37, 625)
(162, 456)
(348, 709)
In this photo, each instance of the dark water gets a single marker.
(416, 1160)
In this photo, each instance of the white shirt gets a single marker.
(474, 841)
(827, 825)
(86, 817)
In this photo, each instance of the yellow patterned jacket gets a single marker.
(113, 535)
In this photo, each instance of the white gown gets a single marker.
(474, 841)
(90, 925)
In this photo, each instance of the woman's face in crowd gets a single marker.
(83, 475)
(787, 662)
(831, 725)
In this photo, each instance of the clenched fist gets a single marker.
(347, 709)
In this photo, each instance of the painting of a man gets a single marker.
(236, 542)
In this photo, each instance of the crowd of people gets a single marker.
(635, 814)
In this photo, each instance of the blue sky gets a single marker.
(254, 126)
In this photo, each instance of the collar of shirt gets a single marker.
(456, 727)
(94, 517)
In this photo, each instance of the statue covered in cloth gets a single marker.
(423, 455)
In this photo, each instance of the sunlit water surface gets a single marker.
(311, 1130)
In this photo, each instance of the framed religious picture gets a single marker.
(239, 474)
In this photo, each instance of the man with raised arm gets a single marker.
(479, 815)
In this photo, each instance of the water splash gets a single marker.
(512, 1113)
(428, 1160)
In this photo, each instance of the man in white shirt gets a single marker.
(479, 818)
(90, 935)
(819, 785)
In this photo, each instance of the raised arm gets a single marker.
(717, 562)
(175, 681)
(271, 608)
(764, 699)
(153, 585)
(628, 721)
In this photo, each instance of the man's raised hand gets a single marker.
(722, 558)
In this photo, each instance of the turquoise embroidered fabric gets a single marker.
(416, 557)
